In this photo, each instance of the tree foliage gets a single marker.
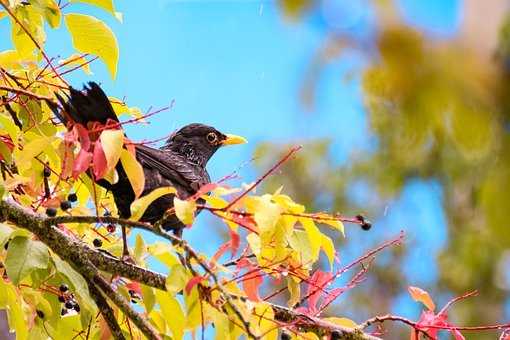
(61, 275)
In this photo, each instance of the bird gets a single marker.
(180, 162)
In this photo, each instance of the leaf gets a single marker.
(112, 142)
(343, 322)
(176, 279)
(148, 298)
(77, 281)
(30, 151)
(15, 315)
(185, 210)
(77, 60)
(327, 219)
(328, 248)
(139, 206)
(252, 282)
(262, 323)
(81, 163)
(107, 5)
(172, 313)
(33, 22)
(316, 286)
(99, 163)
(314, 236)
(23, 256)
(93, 36)
(193, 282)
(134, 171)
(422, 296)
(50, 10)
(294, 291)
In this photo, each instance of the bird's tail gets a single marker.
(82, 107)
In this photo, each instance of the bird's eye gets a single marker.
(212, 137)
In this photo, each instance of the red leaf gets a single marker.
(221, 250)
(245, 221)
(100, 164)
(316, 286)
(82, 135)
(252, 282)
(331, 296)
(234, 242)
(192, 283)
(81, 163)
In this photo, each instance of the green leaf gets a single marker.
(76, 280)
(112, 142)
(139, 206)
(149, 298)
(134, 171)
(23, 256)
(5, 233)
(176, 279)
(172, 313)
(185, 210)
(93, 36)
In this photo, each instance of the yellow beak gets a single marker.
(233, 139)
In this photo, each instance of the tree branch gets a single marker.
(106, 311)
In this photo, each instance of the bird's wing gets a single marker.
(172, 167)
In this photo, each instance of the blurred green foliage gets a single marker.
(438, 110)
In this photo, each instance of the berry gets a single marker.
(97, 243)
(335, 335)
(72, 197)
(61, 298)
(134, 301)
(360, 218)
(6, 245)
(63, 288)
(40, 313)
(366, 225)
(110, 228)
(64, 205)
(51, 212)
(107, 213)
(77, 307)
(285, 336)
(46, 171)
(63, 311)
(69, 305)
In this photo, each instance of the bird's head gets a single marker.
(198, 142)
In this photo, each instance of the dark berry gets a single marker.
(51, 212)
(134, 301)
(72, 197)
(366, 225)
(132, 293)
(77, 307)
(285, 336)
(335, 335)
(63, 311)
(110, 228)
(69, 305)
(6, 245)
(46, 171)
(107, 213)
(64, 205)
(61, 298)
(40, 313)
(360, 218)
(63, 288)
(97, 243)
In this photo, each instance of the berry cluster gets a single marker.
(365, 224)
(68, 300)
(65, 204)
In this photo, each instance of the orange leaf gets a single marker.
(192, 283)
(422, 296)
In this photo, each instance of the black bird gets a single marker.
(180, 162)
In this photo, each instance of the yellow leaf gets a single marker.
(176, 279)
(343, 322)
(93, 36)
(112, 142)
(50, 10)
(134, 171)
(30, 151)
(121, 108)
(294, 291)
(328, 248)
(185, 210)
(314, 236)
(422, 296)
(33, 21)
(261, 322)
(107, 5)
(139, 206)
(193, 309)
(2, 15)
(327, 219)
(162, 252)
(10, 59)
(172, 312)
(266, 213)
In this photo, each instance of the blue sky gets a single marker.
(239, 65)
